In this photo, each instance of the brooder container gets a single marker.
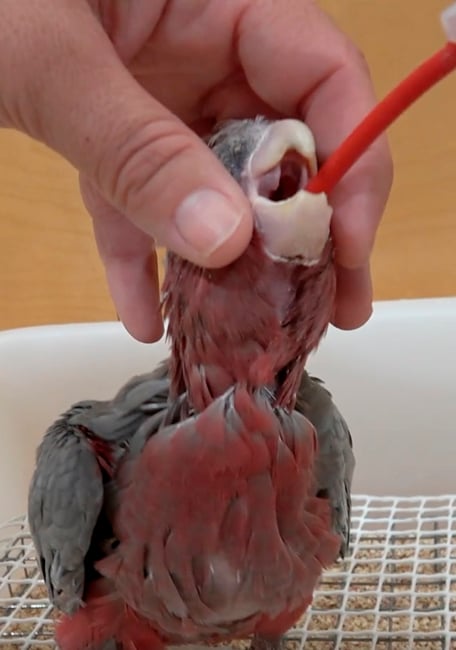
(395, 382)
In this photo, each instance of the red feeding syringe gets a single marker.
(396, 102)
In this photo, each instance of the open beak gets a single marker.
(294, 223)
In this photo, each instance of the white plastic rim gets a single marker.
(394, 379)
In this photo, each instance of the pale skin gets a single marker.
(124, 88)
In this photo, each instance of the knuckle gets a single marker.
(355, 58)
(139, 162)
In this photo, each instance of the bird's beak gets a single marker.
(294, 223)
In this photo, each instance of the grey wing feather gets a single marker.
(68, 490)
(336, 460)
(119, 419)
(65, 499)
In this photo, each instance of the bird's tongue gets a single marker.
(283, 181)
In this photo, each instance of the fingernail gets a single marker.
(205, 220)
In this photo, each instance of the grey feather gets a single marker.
(65, 500)
(120, 418)
(69, 489)
(234, 141)
(336, 460)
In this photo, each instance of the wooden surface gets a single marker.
(49, 267)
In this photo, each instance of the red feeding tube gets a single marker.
(378, 120)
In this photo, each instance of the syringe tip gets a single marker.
(448, 19)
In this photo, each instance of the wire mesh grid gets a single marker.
(395, 591)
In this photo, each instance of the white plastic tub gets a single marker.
(394, 380)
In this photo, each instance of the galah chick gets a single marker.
(202, 503)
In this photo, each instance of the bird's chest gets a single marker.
(213, 527)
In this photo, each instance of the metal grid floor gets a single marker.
(396, 590)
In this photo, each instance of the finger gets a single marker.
(297, 60)
(63, 83)
(354, 298)
(360, 198)
(129, 257)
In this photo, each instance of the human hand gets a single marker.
(123, 89)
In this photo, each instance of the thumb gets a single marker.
(70, 89)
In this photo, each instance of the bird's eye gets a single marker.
(286, 179)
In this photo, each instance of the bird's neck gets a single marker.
(252, 323)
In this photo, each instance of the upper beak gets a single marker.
(280, 137)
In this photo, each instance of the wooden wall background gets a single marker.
(49, 269)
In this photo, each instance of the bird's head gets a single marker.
(273, 162)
